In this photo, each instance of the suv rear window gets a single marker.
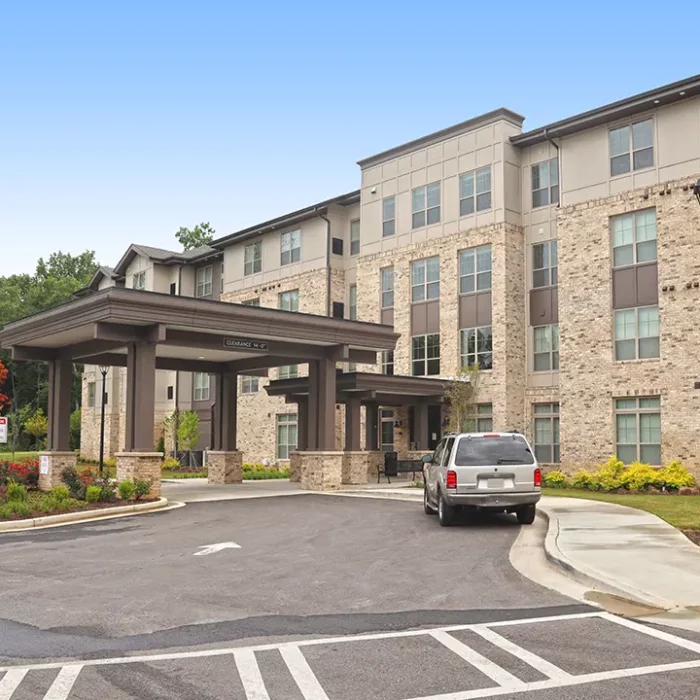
(481, 451)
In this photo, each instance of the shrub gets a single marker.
(16, 493)
(19, 508)
(142, 487)
(110, 462)
(60, 493)
(93, 494)
(674, 477)
(74, 482)
(25, 472)
(583, 480)
(556, 480)
(126, 490)
(170, 463)
(609, 476)
(107, 488)
(639, 477)
(160, 445)
(49, 505)
(4, 512)
(266, 473)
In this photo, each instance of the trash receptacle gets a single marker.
(391, 463)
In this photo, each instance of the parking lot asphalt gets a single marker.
(323, 598)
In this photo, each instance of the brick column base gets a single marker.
(321, 471)
(295, 466)
(57, 462)
(225, 467)
(358, 466)
(140, 465)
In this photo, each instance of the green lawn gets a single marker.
(682, 512)
(17, 456)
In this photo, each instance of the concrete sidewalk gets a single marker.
(624, 551)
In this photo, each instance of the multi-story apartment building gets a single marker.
(564, 260)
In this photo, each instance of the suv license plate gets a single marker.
(496, 483)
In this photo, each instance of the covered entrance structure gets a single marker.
(146, 331)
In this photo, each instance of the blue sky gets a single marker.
(123, 121)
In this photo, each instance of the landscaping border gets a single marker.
(82, 515)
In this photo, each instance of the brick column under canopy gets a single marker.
(321, 470)
(225, 467)
(140, 465)
(51, 464)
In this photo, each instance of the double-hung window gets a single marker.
(475, 269)
(425, 355)
(634, 238)
(388, 216)
(637, 333)
(203, 287)
(355, 237)
(638, 430)
(249, 385)
(480, 420)
(545, 183)
(546, 348)
(544, 264)
(201, 386)
(352, 302)
(289, 301)
(91, 394)
(387, 286)
(388, 362)
(546, 432)
(252, 263)
(426, 205)
(138, 280)
(632, 147)
(476, 347)
(475, 191)
(286, 434)
(290, 247)
(425, 279)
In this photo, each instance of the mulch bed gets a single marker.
(77, 507)
(693, 536)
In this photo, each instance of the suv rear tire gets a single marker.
(446, 512)
(427, 508)
(526, 514)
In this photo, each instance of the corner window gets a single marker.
(203, 286)
(288, 372)
(221, 279)
(388, 362)
(480, 419)
(286, 435)
(355, 237)
(290, 245)
(337, 246)
(634, 238)
(253, 258)
(475, 269)
(638, 430)
(138, 280)
(637, 333)
(544, 265)
(352, 302)
(388, 216)
(632, 147)
(386, 418)
(387, 284)
(425, 279)
(288, 301)
(476, 346)
(91, 393)
(475, 191)
(250, 385)
(545, 183)
(546, 432)
(426, 205)
(425, 355)
(200, 383)
(546, 348)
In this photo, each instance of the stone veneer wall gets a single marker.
(589, 377)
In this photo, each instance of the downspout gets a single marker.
(551, 140)
(328, 263)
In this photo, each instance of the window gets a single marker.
(173, 288)
(641, 135)
(221, 279)
(388, 216)
(481, 420)
(286, 435)
(425, 354)
(387, 425)
(337, 246)
(170, 393)
(251, 302)
(426, 205)
(203, 285)
(387, 281)
(637, 333)
(201, 386)
(138, 280)
(288, 301)
(546, 344)
(478, 451)
(638, 430)
(388, 362)
(338, 309)
(253, 258)
(288, 371)
(425, 279)
(544, 265)
(290, 244)
(352, 302)
(546, 432)
(355, 237)
(545, 183)
(249, 385)
(477, 182)
(476, 346)
(634, 238)
(475, 269)
(91, 394)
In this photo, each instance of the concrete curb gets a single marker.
(81, 516)
(591, 577)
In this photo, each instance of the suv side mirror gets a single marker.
(427, 459)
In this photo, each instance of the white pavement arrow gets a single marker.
(214, 548)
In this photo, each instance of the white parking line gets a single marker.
(10, 682)
(249, 671)
(61, 687)
(543, 666)
(652, 632)
(303, 675)
(487, 667)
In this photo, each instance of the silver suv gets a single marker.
(493, 471)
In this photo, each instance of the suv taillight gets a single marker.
(451, 480)
(538, 477)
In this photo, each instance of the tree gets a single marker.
(188, 430)
(4, 399)
(461, 393)
(75, 429)
(37, 426)
(201, 234)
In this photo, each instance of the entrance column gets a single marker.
(225, 462)
(374, 456)
(302, 438)
(355, 461)
(420, 412)
(352, 425)
(139, 460)
(58, 455)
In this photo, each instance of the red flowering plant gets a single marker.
(4, 399)
(25, 472)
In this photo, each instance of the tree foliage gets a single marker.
(201, 234)
(461, 395)
(4, 399)
(37, 425)
(188, 430)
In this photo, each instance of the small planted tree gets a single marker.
(461, 396)
(188, 431)
(37, 426)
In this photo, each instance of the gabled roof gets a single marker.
(163, 256)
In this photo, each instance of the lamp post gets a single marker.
(103, 372)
